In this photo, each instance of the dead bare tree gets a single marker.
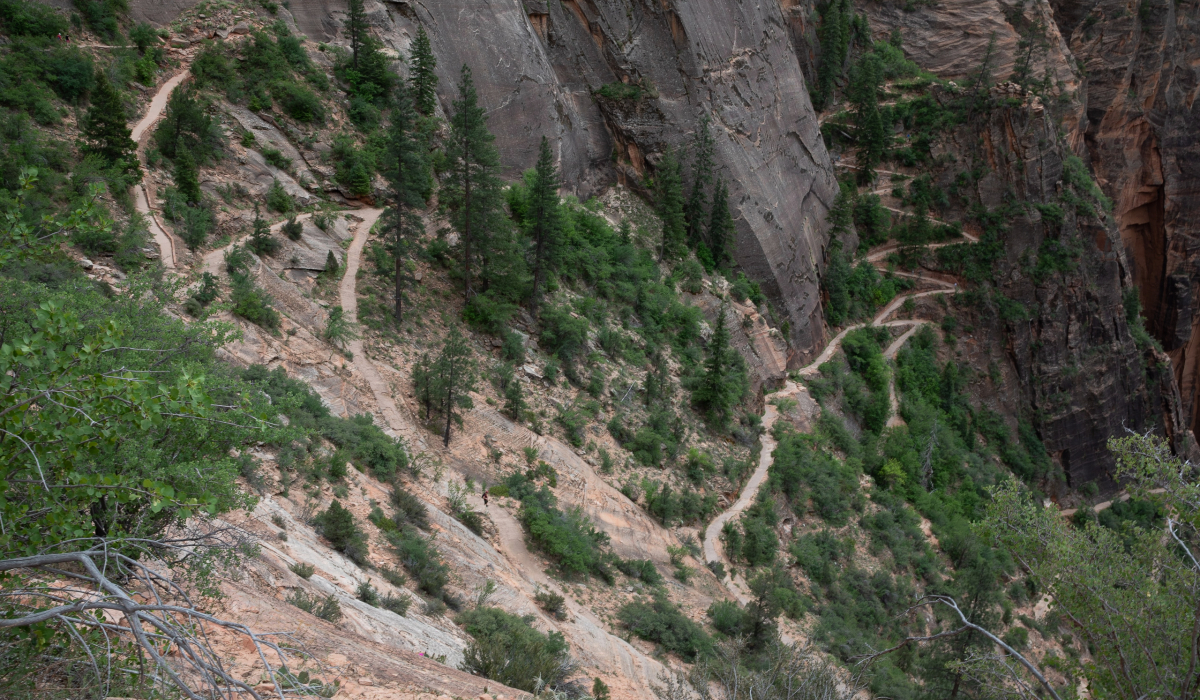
(965, 625)
(124, 590)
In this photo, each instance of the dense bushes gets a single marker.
(264, 73)
(812, 478)
(422, 560)
(568, 538)
(659, 620)
(363, 441)
(337, 525)
(506, 648)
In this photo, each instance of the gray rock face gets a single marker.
(537, 64)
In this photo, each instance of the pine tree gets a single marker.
(422, 79)
(331, 266)
(105, 132)
(723, 382)
(187, 179)
(514, 400)
(702, 167)
(600, 690)
(669, 191)
(356, 26)
(720, 227)
(870, 131)
(657, 388)
(543, 219)
(472, 190)
(454, 378)
(407, 173)
(261, 241)
(834, 39)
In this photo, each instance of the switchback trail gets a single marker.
(713, 547)
(141, 135)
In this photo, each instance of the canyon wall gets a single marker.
(538, 64)
(1142, 138)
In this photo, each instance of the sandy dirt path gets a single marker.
(143, 191)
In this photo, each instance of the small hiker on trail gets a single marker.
(485, 498)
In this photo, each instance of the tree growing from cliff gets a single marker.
(105, 132)
(834, 38)
(870, 132)
(367, 72)
(472, 192)
(422, 79)
(407, 174)
(543, 220)
(668, 186)
(719, 236)
(702, 171)
(356, 27)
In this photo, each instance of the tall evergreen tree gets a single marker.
(454, 378)
(723, 382)
(719, 236)
(356, 27)
(407, 172)
(422, 79)
(669, 195)
(105, 132)
(702, 170)
(543, 220)
(870, 131)
(187, 179)
(472, 190)
(834, 39)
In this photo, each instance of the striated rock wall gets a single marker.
(1142, 138)
(1081, 377)
(537, 64)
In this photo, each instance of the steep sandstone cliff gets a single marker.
(1142, 138)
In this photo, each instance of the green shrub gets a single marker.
(303, 570)
(507, 649)
(299, 103)
(367, 594)
(729, 619)
(641, 569)
(422, 560)
(337, 525)
(327, 609)
(554, 604)
(252, 303)
(398, 604)
(275, 157)
(661, 621)
(278, 199)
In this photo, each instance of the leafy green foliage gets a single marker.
(660, 621)
(337, 525)
(506, 648)
(567, 538)
(421, 558)
(263, 71)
